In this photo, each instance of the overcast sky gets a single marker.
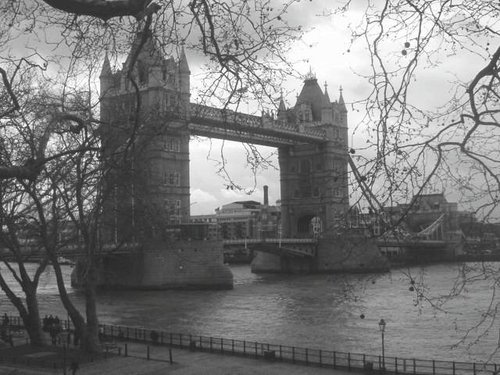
(326, 50)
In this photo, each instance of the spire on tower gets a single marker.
(183, 64)
(310, 76)
(281, 107)
(341, 100)
(106, 67)
(326, 97)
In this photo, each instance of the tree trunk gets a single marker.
(86, 332)
(92, 339)
(30, 313)
(32, 321)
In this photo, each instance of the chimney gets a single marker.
(266, 195)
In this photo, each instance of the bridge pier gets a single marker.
(195, 264)
(349, 252)
(264, 262)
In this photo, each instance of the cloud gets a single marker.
(204, 166)
(202, 202)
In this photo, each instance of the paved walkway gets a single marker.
(185, 362)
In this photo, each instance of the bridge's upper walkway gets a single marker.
(264, 130)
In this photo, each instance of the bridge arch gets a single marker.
(309, 225)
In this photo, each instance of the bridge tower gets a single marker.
(146, 151)
(314, 187)
(148, 148)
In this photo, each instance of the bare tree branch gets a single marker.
(106, 9)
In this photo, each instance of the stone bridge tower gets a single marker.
(314, 186)
(148, 148)
(145, 141)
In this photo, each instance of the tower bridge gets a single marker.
(148, 187)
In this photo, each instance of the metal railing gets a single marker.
(285, 353)
(299, 355)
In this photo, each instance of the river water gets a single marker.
(331, 312)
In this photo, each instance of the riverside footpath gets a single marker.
(184, 362)
(133, 350)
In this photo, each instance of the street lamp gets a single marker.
(381, 326)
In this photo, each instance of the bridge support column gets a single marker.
(314, 191)
(264, 262)
(194, 264)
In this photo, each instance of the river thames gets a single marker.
(328, 311)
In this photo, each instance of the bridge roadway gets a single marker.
(301, 247)
(305, 247)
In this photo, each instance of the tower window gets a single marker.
(143, 73)
(305, 166)
(172, 144)
(172, 178)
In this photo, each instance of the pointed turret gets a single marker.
(343, 112)
(310, 98)
(184, 75)
(326, 107)
(106, 67)
(106, 76)
(281, 108)
(326, 97)
(341, 101)
(183, 63)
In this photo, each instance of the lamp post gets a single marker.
(381, 326)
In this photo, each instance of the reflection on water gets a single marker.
(321, 311)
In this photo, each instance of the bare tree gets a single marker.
(412, 146)
(62, 174)
(31, 216)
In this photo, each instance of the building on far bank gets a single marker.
(243, 219)
(427, 217)
(413, 217)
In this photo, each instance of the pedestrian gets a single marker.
(76, 338)
(5, 320)
(154, 337)
(101, 334)
(74, 367)
(53, 335)
(45, 324)
(50, 321)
